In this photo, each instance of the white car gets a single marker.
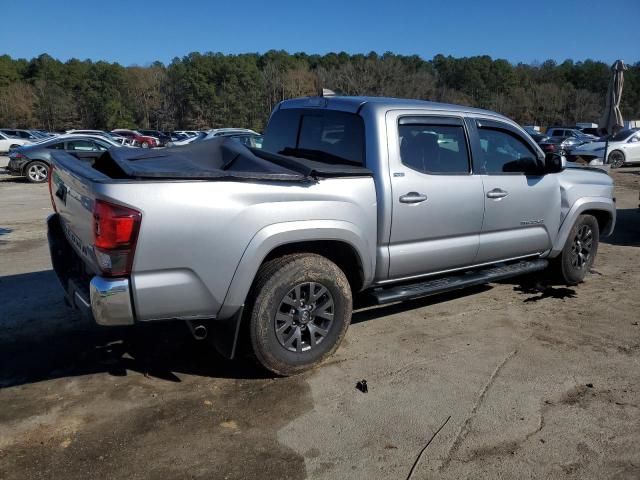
(8, 143)
(623, 149)
(188, 133)
(225, 132)
(186, 141)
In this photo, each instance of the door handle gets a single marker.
(497, 193)
(413, 197)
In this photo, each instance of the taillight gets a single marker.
(115, 232)
(50, 182)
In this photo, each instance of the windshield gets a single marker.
(326, 136)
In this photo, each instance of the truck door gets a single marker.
(437, 203)
(521, 203)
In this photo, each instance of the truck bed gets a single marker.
(203, 234)
(216, 159)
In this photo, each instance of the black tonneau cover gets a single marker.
(218, 158)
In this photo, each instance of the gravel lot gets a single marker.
(536, 381)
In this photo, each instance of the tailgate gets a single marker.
(74, 198)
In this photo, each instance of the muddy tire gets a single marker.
(579, 251)
(300, 312)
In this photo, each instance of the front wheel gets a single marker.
(616, 159)
(37, 172)
(145, 145)
(300, 313)
(580, 250)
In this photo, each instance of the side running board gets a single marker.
(470, 278)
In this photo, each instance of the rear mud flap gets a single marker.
(224, 334)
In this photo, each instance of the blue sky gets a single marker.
(135, 32)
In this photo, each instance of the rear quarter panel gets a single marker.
(194, 235)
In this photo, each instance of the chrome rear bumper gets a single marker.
(111, 301)
(106, 300)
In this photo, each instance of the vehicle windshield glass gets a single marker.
(621, 135)
(325, 136)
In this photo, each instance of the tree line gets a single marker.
(212, 90)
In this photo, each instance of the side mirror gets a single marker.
(554, 163)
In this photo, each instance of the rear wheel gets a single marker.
(37, 172)
(580, 250)
(300, 313)
(616, 159)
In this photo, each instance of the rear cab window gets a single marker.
(328, 136)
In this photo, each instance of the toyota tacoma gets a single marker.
(389, 198)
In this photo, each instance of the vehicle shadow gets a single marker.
(12, 179)
(541, 290)
(42, 339)
(627, 229)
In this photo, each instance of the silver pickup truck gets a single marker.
(395, 199)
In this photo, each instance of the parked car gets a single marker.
(100, 133)
(225, 132)
(161, 136)
(248, 137)
(535, 134)
(250, 140)
(594, 131)
(21, 133)
(177, 136)
(137, 138)
(280, 240)
(623, 149)
(33, 161)
(186, 141)
(567, 132)
(188, 133)
(561, 139)
(7, 143)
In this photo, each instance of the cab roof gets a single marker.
(355, 104)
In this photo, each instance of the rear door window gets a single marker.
(432, 148)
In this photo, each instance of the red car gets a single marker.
(138, 139)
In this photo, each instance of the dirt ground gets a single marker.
(529, 381)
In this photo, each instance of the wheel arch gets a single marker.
(339, 241)
(602, 208)
(342, 253)
(603, 217)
